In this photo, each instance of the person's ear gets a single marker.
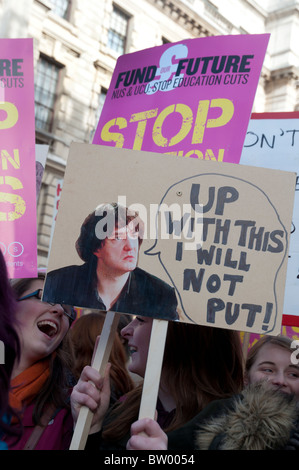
(97, 252)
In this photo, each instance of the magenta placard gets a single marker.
(18, 239)
(192, 98)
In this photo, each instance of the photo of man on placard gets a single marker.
(109, 279)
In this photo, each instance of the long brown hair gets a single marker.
(80, 343)
(200, 364)
(56, 388)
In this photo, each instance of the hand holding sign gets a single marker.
(177, 122)
(99, 363)
(245, 217)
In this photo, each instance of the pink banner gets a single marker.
(192, 98)
(291, 332)
(18, 240)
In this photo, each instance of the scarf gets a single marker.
(26, 385)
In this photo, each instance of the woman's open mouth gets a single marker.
(48, 327)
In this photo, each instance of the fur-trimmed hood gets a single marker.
(260, 419)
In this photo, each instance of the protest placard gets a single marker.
(215, 234)
(272, 141)
(191, 98)
(18, 234)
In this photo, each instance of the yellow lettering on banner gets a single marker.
(201, 121)
(12, 115)
(227, 112)
(187, 116)
(9, 198)
(141, 118)
(116, 137)
(195, 153)
(209, 155)
(15, 160)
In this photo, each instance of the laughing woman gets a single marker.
(39, 382)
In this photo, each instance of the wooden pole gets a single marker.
(151, 382)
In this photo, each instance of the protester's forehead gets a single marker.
(273, 353)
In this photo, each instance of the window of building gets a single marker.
(102, 97)
(46, 82)
(118, 30)
(61, 8)
(101, 101)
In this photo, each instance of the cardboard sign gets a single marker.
(216, 234)
(18, 239)
(272, 141)
(192, 98)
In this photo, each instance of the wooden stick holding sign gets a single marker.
(151, 382)
(100, 359)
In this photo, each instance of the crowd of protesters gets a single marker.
(205, 394)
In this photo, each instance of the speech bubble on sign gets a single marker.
(234, 230)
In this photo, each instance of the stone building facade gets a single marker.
(77, 42)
